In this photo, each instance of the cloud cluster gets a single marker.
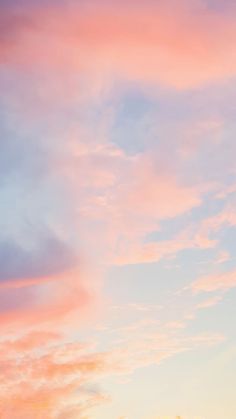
(74, 202)
(59, 377)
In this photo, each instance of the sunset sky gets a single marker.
(117, 209)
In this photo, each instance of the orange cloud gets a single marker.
(33, 340)
(56, 375)
(53, 377)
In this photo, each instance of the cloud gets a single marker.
(211, 302)
(55, 378)
(54, 304)
(156, 251)
(157, 195)
(212, 225)
(121, 199)
(223, 257)
(31, 341)
(42, 282)
(223, 281)
(50, 257)
(61, 70)
(58, 375)
(146, 42)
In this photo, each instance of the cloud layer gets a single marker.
(117, 166)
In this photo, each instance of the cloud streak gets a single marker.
(142, 42)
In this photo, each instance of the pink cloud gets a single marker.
(223, 257)
(114, 200)
(148, 42)
(222, 281)
(206, 231)
(211, 302)
(151, 252)
(126, 199)
(51, 303)
(156, 194)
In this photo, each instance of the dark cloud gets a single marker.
(50, 256)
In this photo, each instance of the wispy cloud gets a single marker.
(78, 209)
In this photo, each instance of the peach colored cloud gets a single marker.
(58, 376)
(223, 257)
(205, 232)
(152, 192)
(155, 251)
(211, 302)
(33, 340)
(53, 374)
(222, 281)
(130, 196)
(227, 217)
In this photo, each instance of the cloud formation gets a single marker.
(218, 282)
(143, 42)
(80, 203)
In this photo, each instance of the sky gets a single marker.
(117, 209)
